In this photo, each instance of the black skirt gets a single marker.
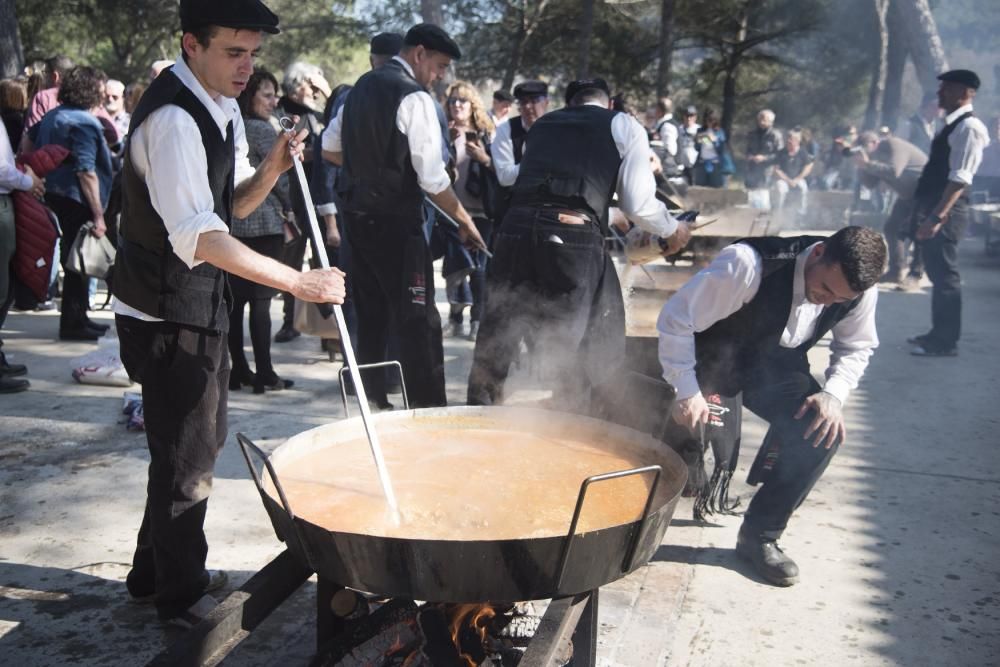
(271, 246)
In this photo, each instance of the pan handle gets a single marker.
(382, 364)
(247, 447)
(629, 561)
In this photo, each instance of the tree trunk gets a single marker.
(585, 39)
(11, 55)
(431, 12)
(731, 63)
(877, 89)
(666, 48)
(895, 64)
(925, 43)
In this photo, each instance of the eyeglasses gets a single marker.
(458, 100)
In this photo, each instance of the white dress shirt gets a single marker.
(502, 152)
(967, 142)
(11, 178)
(418, 120)
(731, 281)
(168, 154)
(667, 130)
(636, 183)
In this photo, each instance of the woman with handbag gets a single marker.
(471, 130)
(262, 231)
(79, 189)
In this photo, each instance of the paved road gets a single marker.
(897, 544)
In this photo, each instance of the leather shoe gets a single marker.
(12, 385)
(286, 333)
(767, 558)
(79, 333)
(11, 370)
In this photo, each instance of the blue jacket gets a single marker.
(80, 132)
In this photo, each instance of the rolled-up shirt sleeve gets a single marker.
(713, 294)
(502, 152)
(244, 170)
(418, 120)
(854, 340)
(84, 141)
(331, 138)
(178, 189)
(636, 183)
(967, 143)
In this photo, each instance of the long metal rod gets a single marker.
(454, 223)
(345, 339)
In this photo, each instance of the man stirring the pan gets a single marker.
(741, 329)
(185, 175)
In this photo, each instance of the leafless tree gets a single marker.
(586, 36)
(876, 90)
(431, 12)
(925, 43)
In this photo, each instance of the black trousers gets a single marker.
(75, 297)
(553, 285)
(184, 374)
(393, 290)
(940, 254)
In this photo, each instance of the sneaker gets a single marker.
(213, 580)
(286, 333)
(934, 351)
(194, 614)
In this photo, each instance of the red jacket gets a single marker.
(36, 233)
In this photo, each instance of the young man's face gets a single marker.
(825, 283)
(429, 67)
(225, 65)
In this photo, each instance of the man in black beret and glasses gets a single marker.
(390, 145)
(185, 175)
(942, 208)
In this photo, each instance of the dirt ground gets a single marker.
(897, 544)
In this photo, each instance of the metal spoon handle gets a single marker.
(345, 339)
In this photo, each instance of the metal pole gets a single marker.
(345, 339)
(454, 223)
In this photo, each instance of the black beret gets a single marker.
(966, 77)
(580, 85)
(433, 38)
(238, 14)
(386, 44)
(531, 89)
(502, 96)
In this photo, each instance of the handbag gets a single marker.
(308, 320)
(89, 255)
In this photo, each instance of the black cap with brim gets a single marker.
(237, 14)
(531, 89)
(386, 44)
(433, 38)
(502, 96)
(966, 77)
(577, 87)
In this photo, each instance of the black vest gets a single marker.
(377, 175)
(148, 275)
(934, 177)
(571, 160)
(732, 352)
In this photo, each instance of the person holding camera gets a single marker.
(471, 130)
(897, 163)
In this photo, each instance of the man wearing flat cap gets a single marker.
(502, 102)
(185, 175)
(942, 209)
(390, 145)
(551, 279)
(532, 98)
